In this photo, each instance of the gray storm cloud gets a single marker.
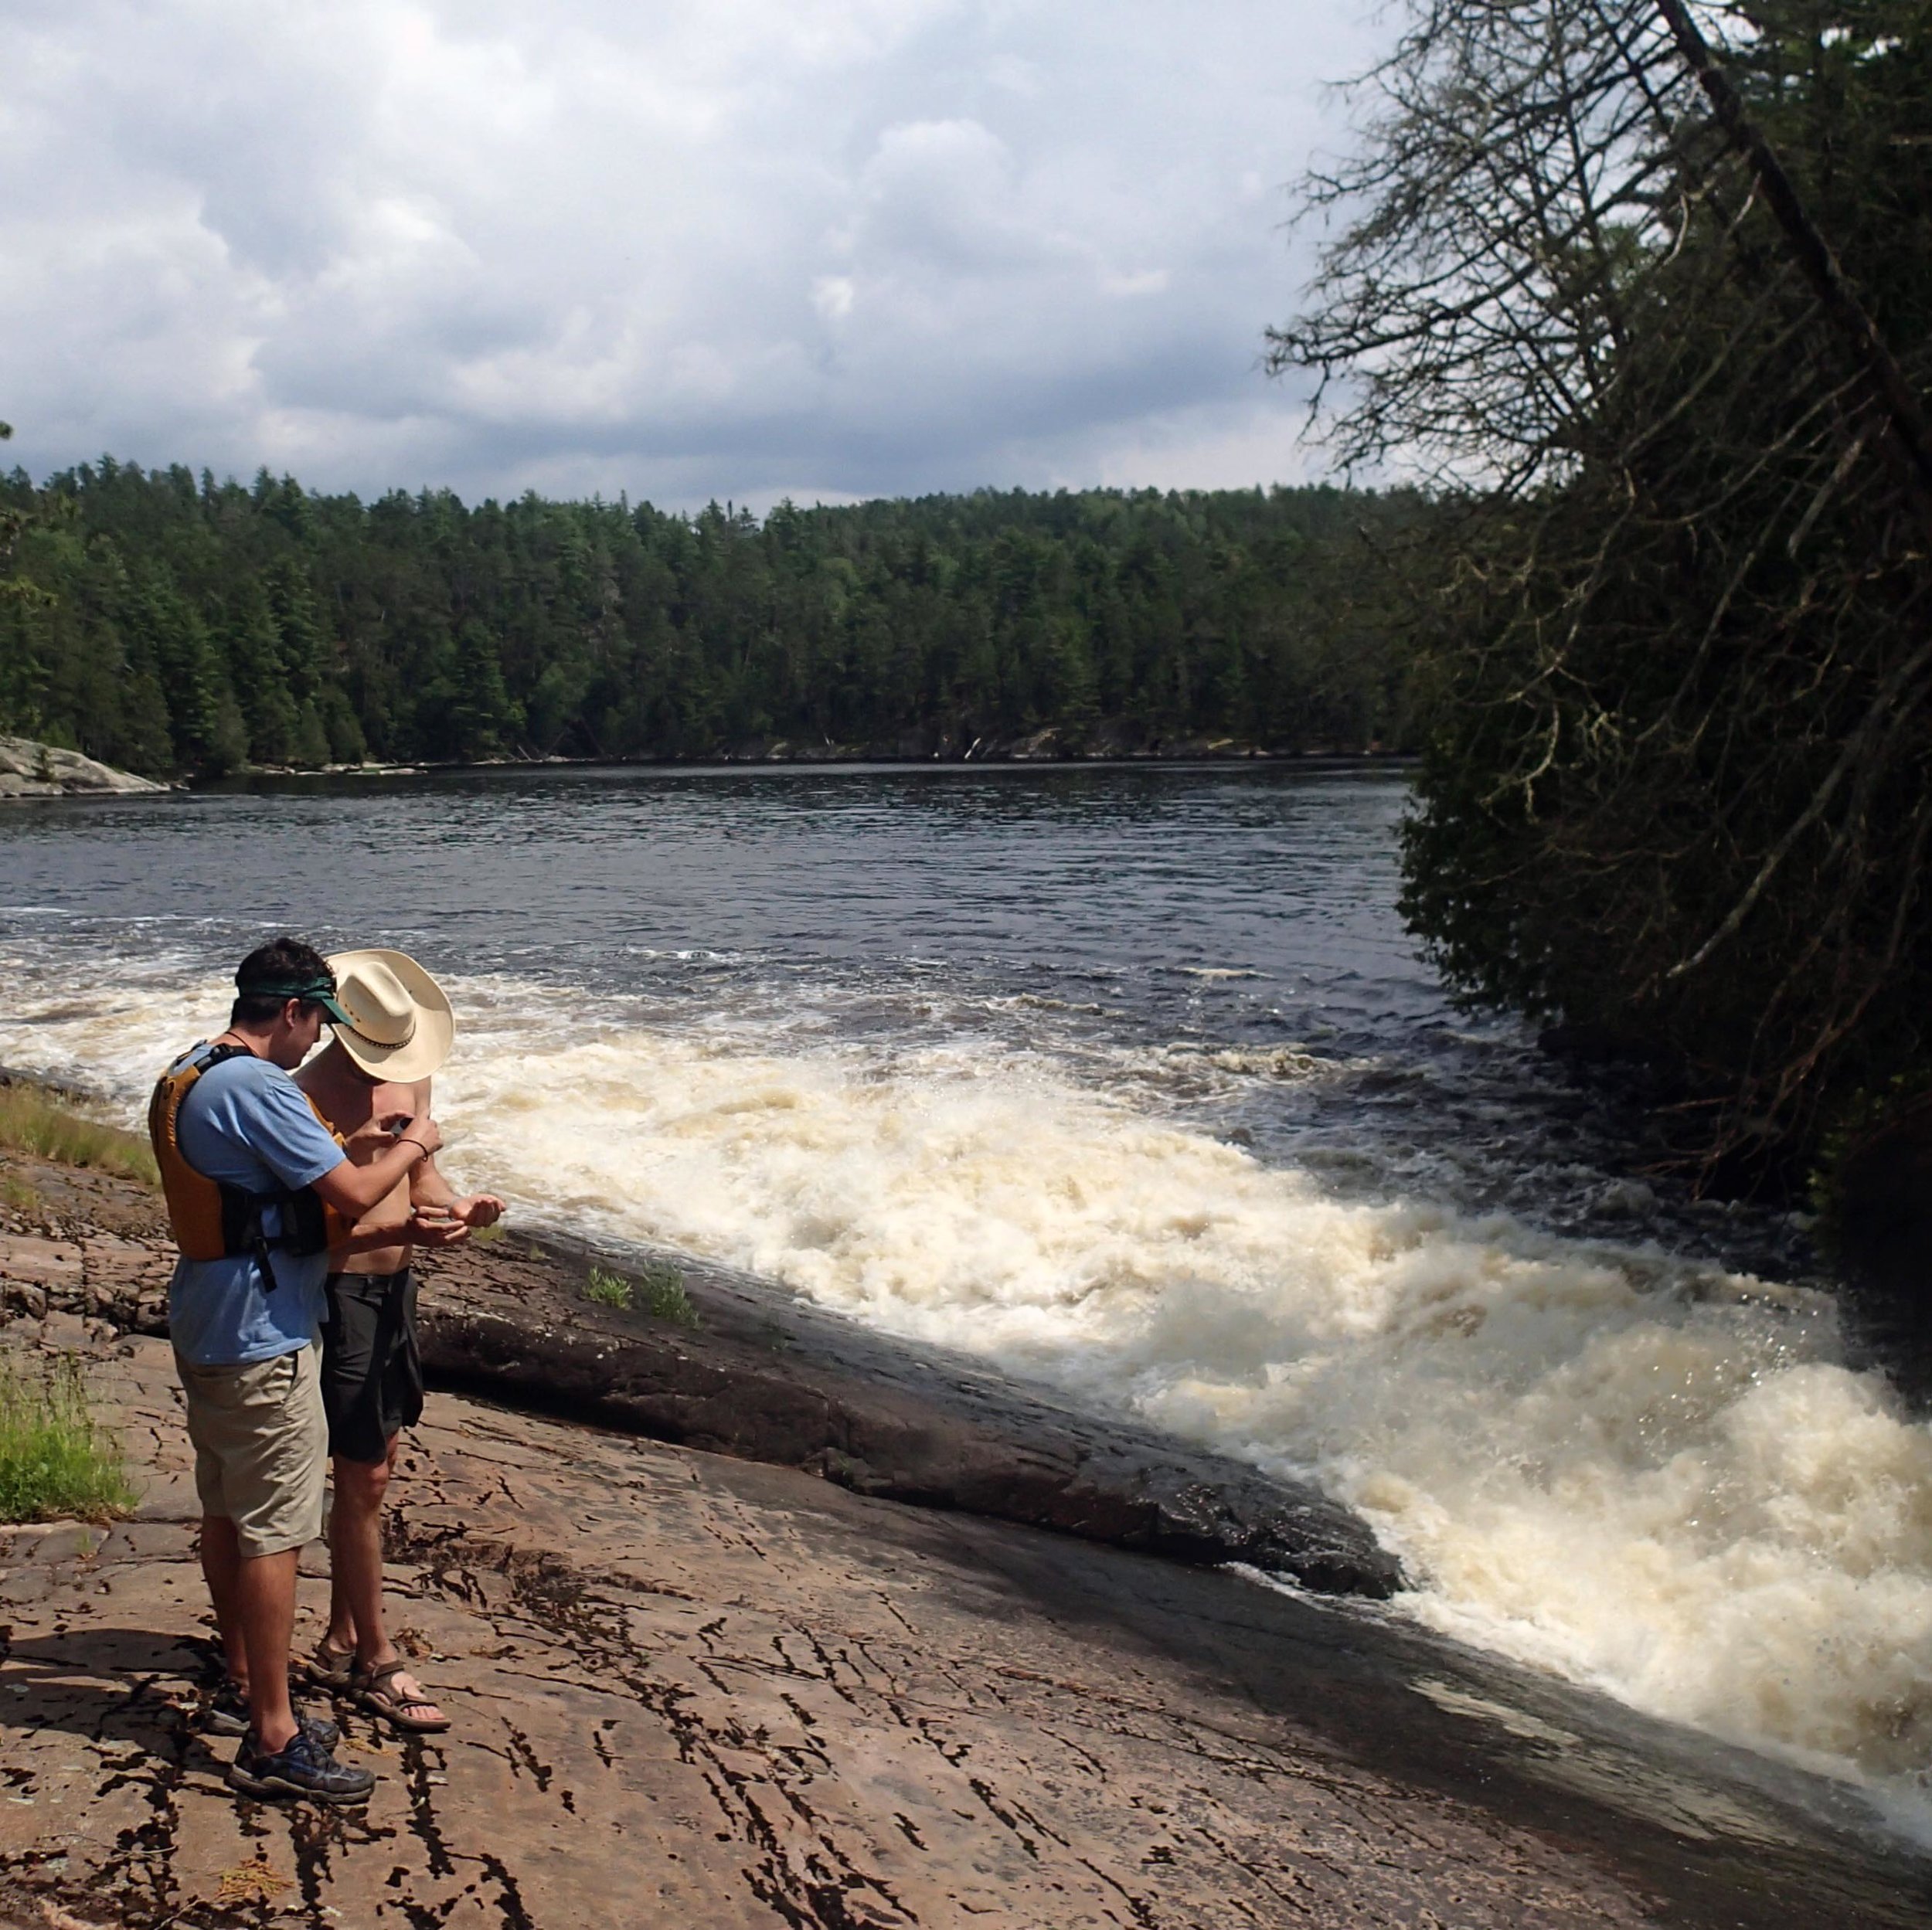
(822, 250)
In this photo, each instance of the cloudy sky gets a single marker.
(744, 249)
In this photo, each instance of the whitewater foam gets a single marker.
(1654, 1476)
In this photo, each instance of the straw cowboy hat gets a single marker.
(402, 1026)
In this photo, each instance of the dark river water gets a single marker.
(1131, 1080)
(1219, 913)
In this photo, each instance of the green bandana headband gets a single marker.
(311, 991)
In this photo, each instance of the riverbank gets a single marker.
(29, 769)
(1044, 747)
(731, 1694)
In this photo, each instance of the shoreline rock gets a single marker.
(734, 1695)
(29, 769)
(1043, 747)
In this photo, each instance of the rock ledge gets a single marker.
(31, 769)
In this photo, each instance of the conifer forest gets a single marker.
(176, 624)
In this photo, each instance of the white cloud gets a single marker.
(828, 248)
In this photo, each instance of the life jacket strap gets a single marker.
(212, 1219)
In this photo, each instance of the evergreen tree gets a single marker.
(1650, 283)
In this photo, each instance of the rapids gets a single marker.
(1130, 1082)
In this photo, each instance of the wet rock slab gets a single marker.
(693, 1689)
(689, 1689)
(771, 1378)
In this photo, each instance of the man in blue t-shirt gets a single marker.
(245, 1328)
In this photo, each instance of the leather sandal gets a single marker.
(368, 1687)
(330, 1667)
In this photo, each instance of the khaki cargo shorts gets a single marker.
(261, 1447)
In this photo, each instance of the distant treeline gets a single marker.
(169, 623)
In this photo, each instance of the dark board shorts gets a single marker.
(372, 1374)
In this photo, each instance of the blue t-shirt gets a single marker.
(247, 1123)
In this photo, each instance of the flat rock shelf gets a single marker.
(691, 1689)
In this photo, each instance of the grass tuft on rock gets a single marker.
(664, 1295)
(608, 1290)
(31, 1121)
(55, 1460)
(659, 1292)
(17, 1196)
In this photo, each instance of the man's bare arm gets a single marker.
(428, 1188)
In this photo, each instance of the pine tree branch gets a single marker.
(1813, 254)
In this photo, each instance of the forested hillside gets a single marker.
(172, 624)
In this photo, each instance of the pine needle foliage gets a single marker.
(171, 623)
(1644, 292)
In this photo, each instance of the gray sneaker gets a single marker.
(225, 1712)
(304, 1768)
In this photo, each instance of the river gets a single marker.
(1131, 1081)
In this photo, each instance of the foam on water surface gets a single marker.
(1655, 1476)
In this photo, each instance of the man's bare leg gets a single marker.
(221, 1568)
(355, 1585)
(254, 1597)
(355, 1553)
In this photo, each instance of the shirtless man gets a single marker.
(376, 1069)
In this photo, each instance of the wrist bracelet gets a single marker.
(402, 1139)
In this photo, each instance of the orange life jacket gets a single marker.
(213, 1220)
